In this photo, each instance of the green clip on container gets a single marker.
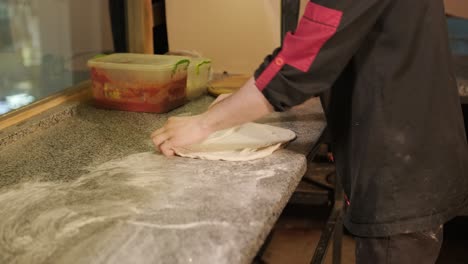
(139, 82)
(199, 73)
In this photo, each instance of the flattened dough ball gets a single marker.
(246, 142)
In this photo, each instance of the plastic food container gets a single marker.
(199, 73)
(139, 82)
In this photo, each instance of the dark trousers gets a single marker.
(413, 248)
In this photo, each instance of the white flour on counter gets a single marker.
(139, 209)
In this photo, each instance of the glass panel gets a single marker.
(458, 33)
(44, 46)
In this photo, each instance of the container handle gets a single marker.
(179, 63)
(197, 69)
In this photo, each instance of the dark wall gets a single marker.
(119, 31)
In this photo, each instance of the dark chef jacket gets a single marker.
(394, 114)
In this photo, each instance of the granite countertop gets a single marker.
(84, 185)
(461, 71)
(463, 90)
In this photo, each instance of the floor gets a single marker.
(298, 230)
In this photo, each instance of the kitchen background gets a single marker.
(44, 45)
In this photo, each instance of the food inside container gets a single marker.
(139, 82)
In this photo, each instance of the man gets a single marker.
(394, 116)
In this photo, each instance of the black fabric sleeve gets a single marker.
(311, 59)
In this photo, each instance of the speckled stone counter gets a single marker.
(83, 185)
(463, 87)
(461, 71)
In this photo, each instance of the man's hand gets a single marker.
(245, 105)
(180, 131)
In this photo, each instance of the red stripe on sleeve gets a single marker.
(270, 72)
(323, 14)
(300, 49)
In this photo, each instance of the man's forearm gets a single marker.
(245, 105)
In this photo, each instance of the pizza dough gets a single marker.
(246, 142)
